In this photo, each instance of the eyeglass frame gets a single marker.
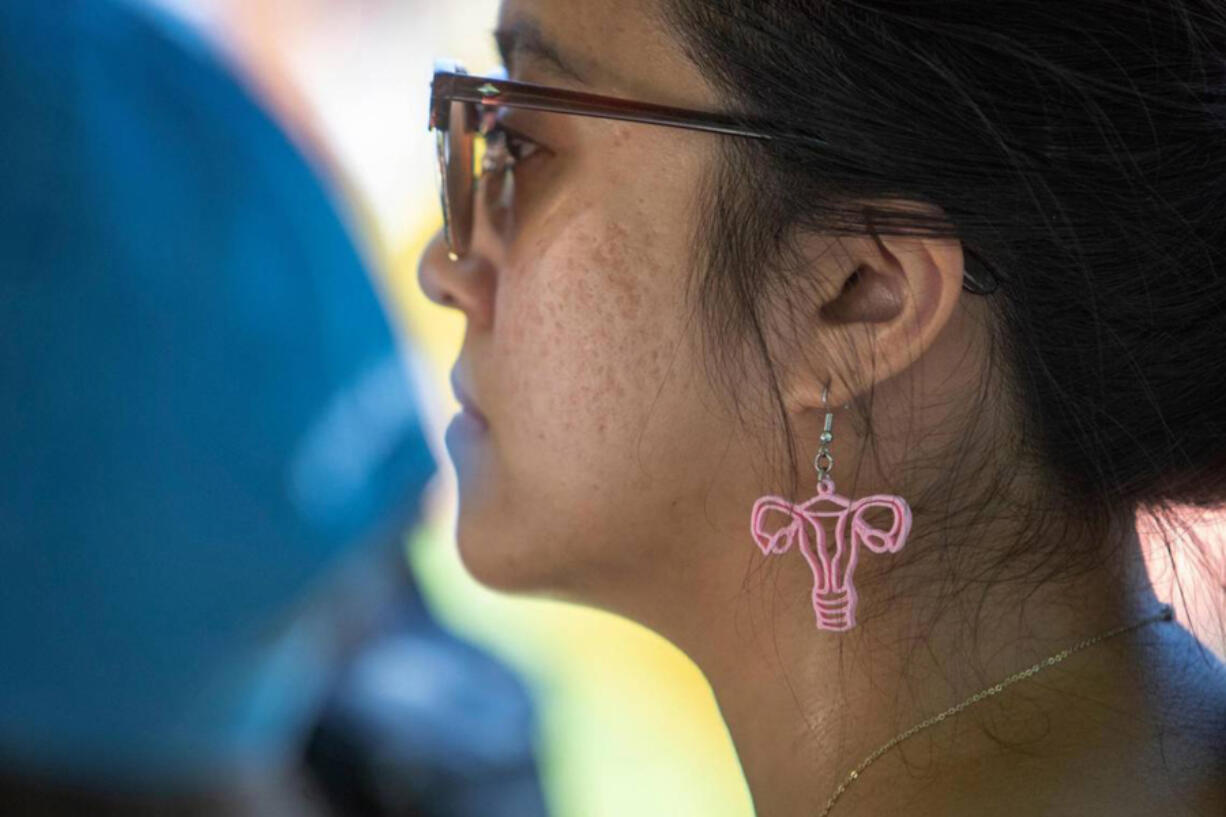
(451, 84)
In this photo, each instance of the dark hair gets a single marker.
(1078, 148)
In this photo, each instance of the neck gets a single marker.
(804, 706)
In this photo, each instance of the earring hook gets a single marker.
(824, 461)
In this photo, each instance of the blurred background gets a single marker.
(628, 724)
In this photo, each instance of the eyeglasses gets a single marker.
(464, 106)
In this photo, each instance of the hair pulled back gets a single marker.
(1077, 149)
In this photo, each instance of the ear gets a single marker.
(884, 301)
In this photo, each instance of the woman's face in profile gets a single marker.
(607, 459)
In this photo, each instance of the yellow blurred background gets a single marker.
(628, 724)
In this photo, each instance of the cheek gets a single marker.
(590, 313)
(586, 323)
(607, 435)
(582, 338)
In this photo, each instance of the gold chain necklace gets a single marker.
(1166, 615)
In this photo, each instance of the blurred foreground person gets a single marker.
(210, 451)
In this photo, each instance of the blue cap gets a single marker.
(203, 407)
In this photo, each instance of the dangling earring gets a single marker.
(834, 594)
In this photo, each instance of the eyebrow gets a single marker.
(525, 39)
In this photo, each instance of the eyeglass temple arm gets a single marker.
(496, 92)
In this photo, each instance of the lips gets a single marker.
(465, 400)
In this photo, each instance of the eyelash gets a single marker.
(519, 147)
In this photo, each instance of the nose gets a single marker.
(466, 284)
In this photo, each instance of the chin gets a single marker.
(517, 562)
(494, 558)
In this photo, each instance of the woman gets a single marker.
(968, 254)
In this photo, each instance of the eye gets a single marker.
(520, 147)
(517, 146)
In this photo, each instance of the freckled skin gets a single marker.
(584, 376)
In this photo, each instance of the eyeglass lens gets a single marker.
(473, 168)
(457, 160)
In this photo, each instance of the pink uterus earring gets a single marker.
(834, 593)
